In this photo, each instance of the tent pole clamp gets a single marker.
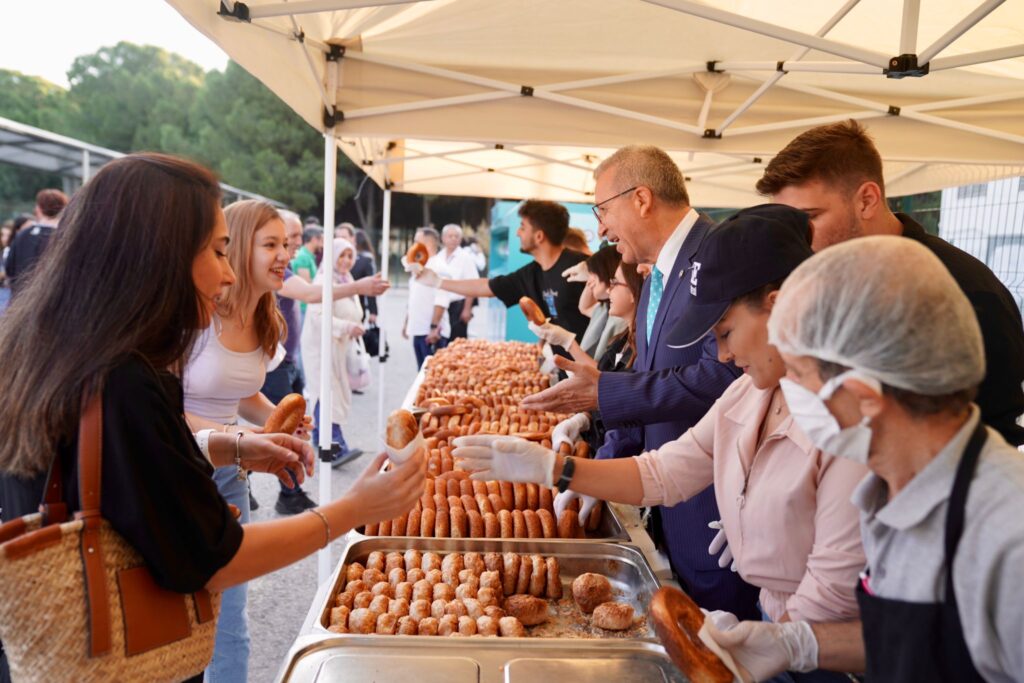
(240, 12)
(905, 65)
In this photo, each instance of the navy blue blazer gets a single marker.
(668, 392)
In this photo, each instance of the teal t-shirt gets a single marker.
(304, 260)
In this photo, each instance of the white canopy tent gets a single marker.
(523, 98)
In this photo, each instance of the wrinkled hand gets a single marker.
(277, 454)
(371, 285)
(569, 429)
(552, 334)
(504, 458)
(577, 273)
(763, 649)
(428, 278)
(587, 503)
(573, 395)
(376, 496)
(720, 543)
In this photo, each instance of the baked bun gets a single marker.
(677, 621)
(590, 590)
(287, 416)
(401, 429)
(613, 616)
(532, 311)
(417, 254)
(527, 609)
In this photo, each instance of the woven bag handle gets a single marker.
(90, 467)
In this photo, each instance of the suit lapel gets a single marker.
(641, 325)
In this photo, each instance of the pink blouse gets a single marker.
(785, 506)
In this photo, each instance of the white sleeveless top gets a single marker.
(216, 378)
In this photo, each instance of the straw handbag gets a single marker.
(77, 602)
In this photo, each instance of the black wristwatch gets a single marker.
(568, 469)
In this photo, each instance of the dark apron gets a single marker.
(908, 642)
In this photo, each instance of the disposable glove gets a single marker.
(569, 429)
(720, 543)
(552, 334)
(428, 278)
(411, 266)
(587, 503)
(504, 458)
(765, 649)
(577, 273)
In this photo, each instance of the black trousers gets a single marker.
(459, 328)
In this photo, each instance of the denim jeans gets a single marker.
(423, 349)
(336, 435)
(230, 662)
(285, 379)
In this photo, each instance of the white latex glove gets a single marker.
(505, 458)
(411, 267)
(587, 504)
(548, 366)
(552, 334)
(568, 430)
(577, 273)
(720, 543)
(428, 278)
(765, 649)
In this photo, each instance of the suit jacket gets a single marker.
(668, 392)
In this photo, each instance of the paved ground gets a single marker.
(278, 603)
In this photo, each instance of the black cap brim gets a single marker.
(695, 323)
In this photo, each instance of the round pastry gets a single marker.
(532, 311)
(442, 591)
(344, 600)
(467, 575)
(548, 528)
(431, 560)
(396, 576)
(362, 600)
(371, 529)
(518, 524)
(415, 574)
(441, 524)
(483, 503)
(385, 528)
(412, 559)
(492, 529)
(519, 496)
(466, 590)
(465, 486)
(476, 524)
(422, 590)
(454, 490)
(505, 524)
(527, 609)
(546, 501)
(523, 580)
(510, 572)
(479, 488)
(453, 563)
(493, 488)
(417, 253)
(487, 597)
(589, 590)
(337, 628)
(538, 577)
(467, 626)
(568, 524)
(510, 627)
(354, 572)
(428, 522)
(427, 500)
(428, 626)
(287, 416)
(494, 612)
(399, 607)
(553, 589)
(357, 586)
(380, 603)
(474, 562)
(493, 563)
(492, 580)
(434, 577)
(393, 560)
(383, 588)
(407, 626)
(403, 591)
(413, 523)
(508, 496)
(362, 620)
(533, 527)
(375, 560)
(459, 523)
(339, 615)
(437, 608)
(441, 488)
(473, 607)
(613, 616)
(469, 503)
(419, 609)
(532, 496)
(373, 576)
(456, 607)
(386, 624)
(486, 626)
(677, 620)
(497, 502)
(447, 625)
(399, 525)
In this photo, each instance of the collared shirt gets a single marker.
(670, 250)
(460, 267)
(785, 506)
(423, 299)
(904, 543)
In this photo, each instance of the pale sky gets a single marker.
(43, 37)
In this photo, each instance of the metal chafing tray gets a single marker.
(632, 579)
(368, 659)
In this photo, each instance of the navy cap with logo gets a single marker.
(750, 249)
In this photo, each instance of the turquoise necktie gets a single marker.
(657, 288)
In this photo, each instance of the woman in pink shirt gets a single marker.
(785, 505)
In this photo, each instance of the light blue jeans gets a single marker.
(231, 650)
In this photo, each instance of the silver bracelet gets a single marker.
(327, 526)
(242, 475)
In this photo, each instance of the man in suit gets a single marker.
(642, 205)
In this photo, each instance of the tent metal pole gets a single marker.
(434, 71)
(86, 166)
(806, 123)
(960, 28)
(385, 258)
(819, 67)
(908, 28)
(578, 103)
(549, 159)
(773, 31)
(965, 127)
(277, 9)
(625, 78)
(428, 104)
(434, 155)
(981, 57)
(968, 101)
(838, 97)
(312, 67)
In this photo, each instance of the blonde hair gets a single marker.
(650, 167)
(244, 218)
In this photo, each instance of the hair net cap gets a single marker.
(885, 306)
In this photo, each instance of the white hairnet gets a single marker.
(885, 306)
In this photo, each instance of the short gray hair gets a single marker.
(452, 227)
(649, 166)
(289, 216)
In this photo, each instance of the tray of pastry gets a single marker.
(515, 589)
(343, 659)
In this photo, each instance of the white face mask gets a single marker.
(821, 426)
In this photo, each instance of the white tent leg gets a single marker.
(385, 252)
(323, 566)
(908, 29)
(86, 166)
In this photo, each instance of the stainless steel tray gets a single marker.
(632, 579)
(610, 528)
(368, 659)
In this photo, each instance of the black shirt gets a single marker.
(364, 267)
(1000, 396)
(29, 244)
(156, 488)
(559, 299)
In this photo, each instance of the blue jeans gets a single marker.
(423, 349)
(231, 649)
(336, 435)
(285, 379)
(818, 676)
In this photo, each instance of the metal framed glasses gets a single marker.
(599, 212)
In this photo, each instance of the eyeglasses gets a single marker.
(613, 283)
(599, 212)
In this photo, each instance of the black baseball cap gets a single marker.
(750, 249)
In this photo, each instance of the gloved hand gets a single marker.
(762, 648)
(552, 334)
(548, 365)
(411, 266)
(577, 273)
(505, 458)
(587, 503)
(428, 278)
(568, 430)
(720, 543)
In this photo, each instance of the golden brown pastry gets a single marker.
(287, 416)
(386, 624)
(538, 577)
(590, 590)
(613, 616)
(407, 627)
(677, 620)
(362, 620)
(487, 626)
(510, 627)
(553, 590)
(428, 626)
(419, 609)
(527, 609)
(375, 560)
(399, 607)
(532, 311)
(401, 429)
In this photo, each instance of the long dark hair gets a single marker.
(116, 279)
(604, 262)
(635, 283)
(363, 243)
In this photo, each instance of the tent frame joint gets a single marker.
(336, 53)
(238, 12)
(710, 67)
(526, 90)
(327, 454)
(711, 134)
(893, 110)
(333, 118)
(905, 65)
